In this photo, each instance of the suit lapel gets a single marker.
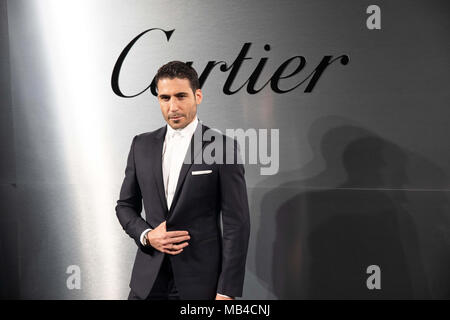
(195, 147)
(156, 160)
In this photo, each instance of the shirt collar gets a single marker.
(183, 132)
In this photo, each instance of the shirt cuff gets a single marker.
(143, 234)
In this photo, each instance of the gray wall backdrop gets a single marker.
(364, 157)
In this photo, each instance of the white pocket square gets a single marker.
(194, 173)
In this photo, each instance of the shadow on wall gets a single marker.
(317, 235)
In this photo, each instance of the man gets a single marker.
(182, 251)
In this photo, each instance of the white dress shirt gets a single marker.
(175, 148)
(176, 143)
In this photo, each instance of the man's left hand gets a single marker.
(219, 297)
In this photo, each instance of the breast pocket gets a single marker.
(203, 181)
(200, 172)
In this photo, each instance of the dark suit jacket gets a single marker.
(212, 262)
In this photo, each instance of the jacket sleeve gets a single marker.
(236, 227)
(129, 205)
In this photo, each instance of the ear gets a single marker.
(198, 96)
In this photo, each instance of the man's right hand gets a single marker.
(170, 242)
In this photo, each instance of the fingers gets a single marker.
(173, 252)
(172, 234)
(176, 239)
(170, 242)
(175, 247)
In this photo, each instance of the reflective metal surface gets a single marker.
(364, 157)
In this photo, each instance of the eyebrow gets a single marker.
(178, 94)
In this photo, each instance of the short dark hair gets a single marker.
(178, 69)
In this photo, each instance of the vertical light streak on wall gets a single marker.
(264, 107)
(70, 34)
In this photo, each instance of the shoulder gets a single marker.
(224, 141)
(216, 133)
(149, 136)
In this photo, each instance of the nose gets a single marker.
(173, 107)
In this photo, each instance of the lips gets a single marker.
(175, 117)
